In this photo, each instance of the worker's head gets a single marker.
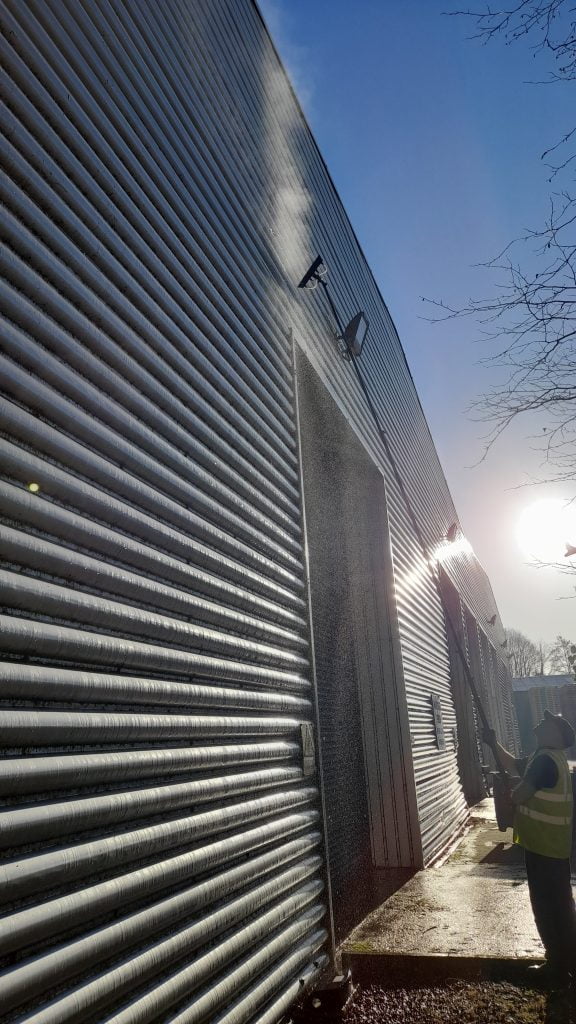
(554, 731)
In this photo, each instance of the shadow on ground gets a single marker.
(505, 854)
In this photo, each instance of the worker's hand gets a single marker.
(489, 737)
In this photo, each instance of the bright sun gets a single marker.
(545, 527)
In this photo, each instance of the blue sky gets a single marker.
(433, 141)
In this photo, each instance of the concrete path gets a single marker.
(468, 917)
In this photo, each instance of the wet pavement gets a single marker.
(468, 917)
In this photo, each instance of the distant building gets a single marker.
(533, 695)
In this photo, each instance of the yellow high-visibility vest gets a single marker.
(544, 823)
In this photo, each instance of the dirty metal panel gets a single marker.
(360, 721)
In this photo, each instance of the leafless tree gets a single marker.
(562, 656)
(532, 319)
(530, 316)
(549, 26)
(524, 656)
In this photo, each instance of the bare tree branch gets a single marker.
(530, 321)
(528, 317)
(548, 25)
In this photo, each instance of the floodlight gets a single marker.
(355, 334)
(314, 273)
(351, 337)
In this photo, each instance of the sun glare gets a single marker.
(545, 528)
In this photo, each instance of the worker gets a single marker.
(543, 826)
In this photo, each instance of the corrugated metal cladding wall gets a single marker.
(306, 217)
(493, 682)
(506, 699)
(162, 848)
(470, 750)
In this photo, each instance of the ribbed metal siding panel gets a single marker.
(470, 752)
(504, 684)
(494, 705)
(475, 661)
(493, 682)
(161, 850)
(307, 217)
